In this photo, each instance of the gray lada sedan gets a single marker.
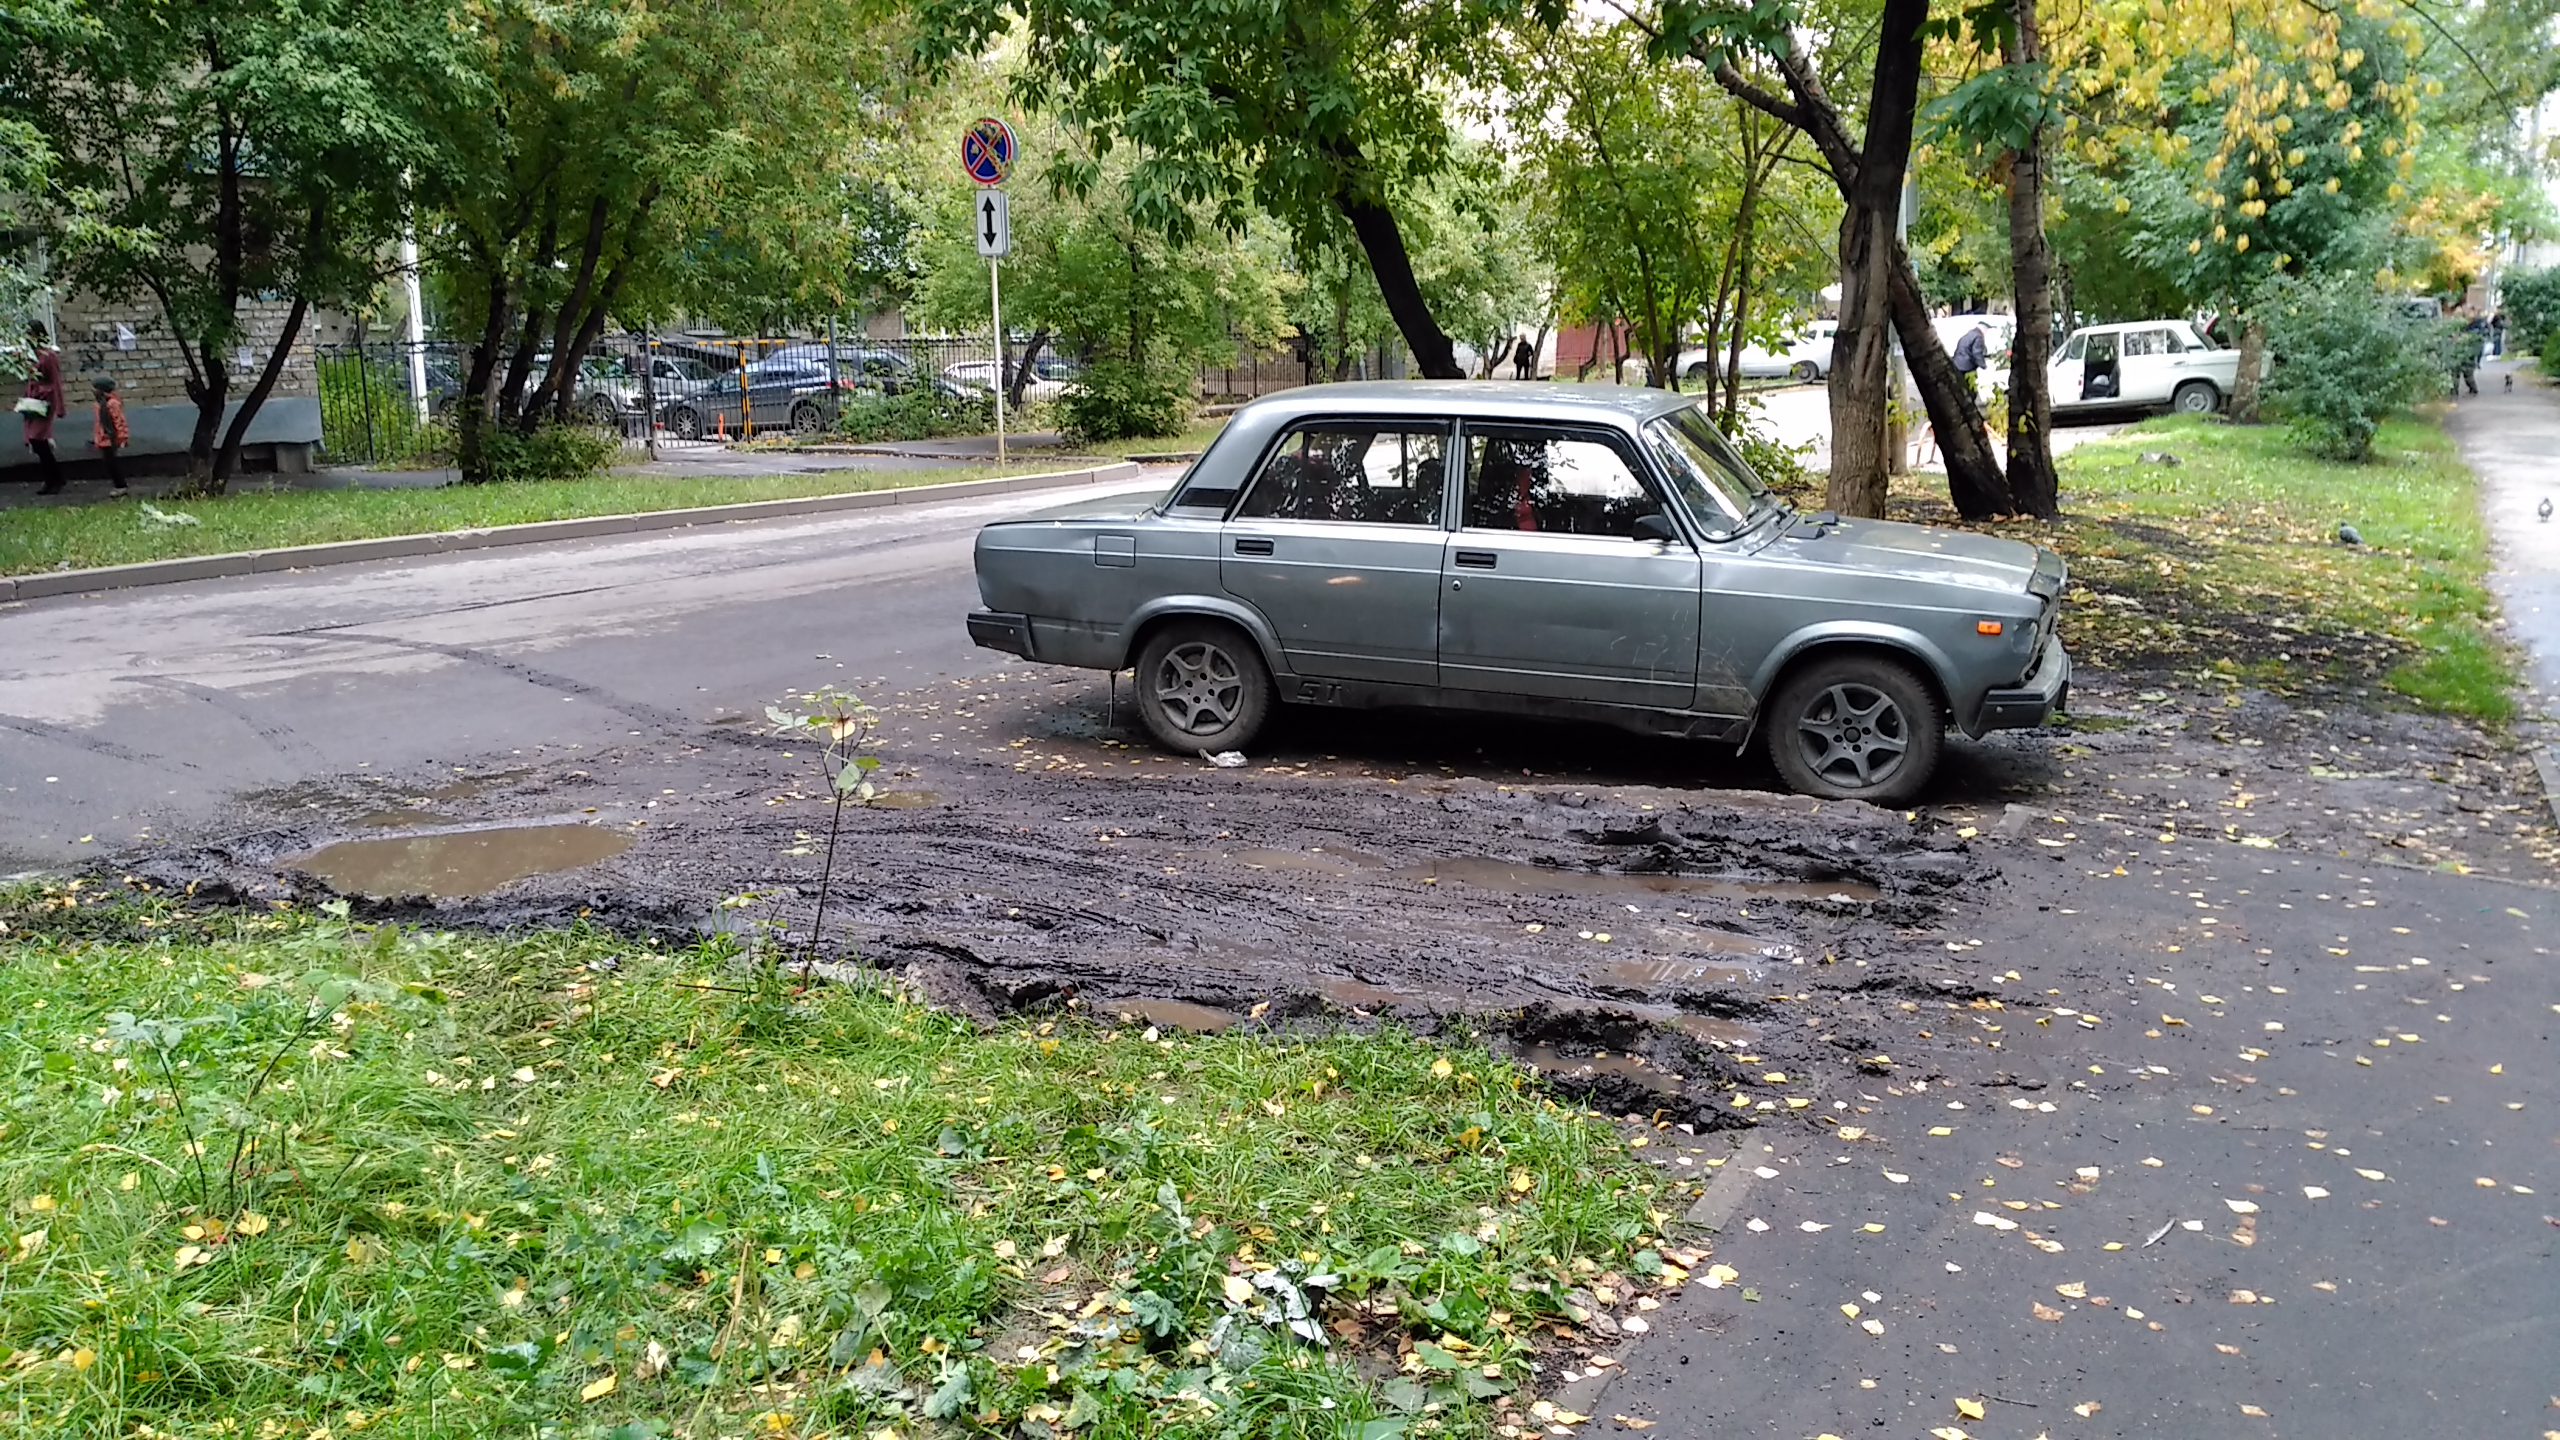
(1584, 552)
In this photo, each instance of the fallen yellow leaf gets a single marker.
(2076, 1290)
(1632, 1423)
(2044, 1311)
(596, 1389)
(2253, 1410)
(1969, 1409)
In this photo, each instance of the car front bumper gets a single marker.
(2022, 707)
(996, 630)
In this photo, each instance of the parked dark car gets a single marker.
(792, 389)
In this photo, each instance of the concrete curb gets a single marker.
(398, 547)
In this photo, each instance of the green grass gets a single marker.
(2233, 561)
(1193, 439)
(563, 1184)
(34, 539)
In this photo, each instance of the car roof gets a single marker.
(2130, 325)
(1507, 399)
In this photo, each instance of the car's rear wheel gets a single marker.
(806, 419)
(685, 423)
(2196, 397)
(1859, 727)
(1202, 686)
(1806, 371)
(603, 412)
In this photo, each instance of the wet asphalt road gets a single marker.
(2426, 1302)
(151, 709)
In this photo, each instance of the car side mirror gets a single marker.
(1656, 528)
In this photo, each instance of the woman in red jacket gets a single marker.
(45, 388)
(107, 429)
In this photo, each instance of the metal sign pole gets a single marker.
(995, 302)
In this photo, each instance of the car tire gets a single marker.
(684, 423)
(1202, 686)
(602, 412)
(1806, 372)
(1698, 371)
(806, 419)
(1858, 727)
(2196, 397)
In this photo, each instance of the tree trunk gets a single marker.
(1878, 286)
(1392, 266)
(2032, 482)
(226, 461)
(1861, 355)
(475, 411)
(1745, 224)
(1020, 379)
(1974, 482)
(2243, 409)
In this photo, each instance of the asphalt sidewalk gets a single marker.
(2235, 1143)
(2510, 436)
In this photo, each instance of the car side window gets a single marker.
(2141, 342)
(1372, 473)
(2073, 350)
(2171, 342)
(1558, 482)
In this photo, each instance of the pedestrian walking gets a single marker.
(1971, 352)
(107, 428)
(2466, 367)
(2498, 334)
(1524, 361)
(39, 402)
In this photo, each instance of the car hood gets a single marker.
(1921, 552)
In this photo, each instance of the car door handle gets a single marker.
(1476, 559)
(1253, 547)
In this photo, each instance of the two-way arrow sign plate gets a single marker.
(995, 225)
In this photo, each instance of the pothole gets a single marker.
(455, 864)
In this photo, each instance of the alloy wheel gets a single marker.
(1199, 687)
(1853, 735)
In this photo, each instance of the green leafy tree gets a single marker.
(603, 159)
(217, 153)
(1325, 115)
(2352, 358)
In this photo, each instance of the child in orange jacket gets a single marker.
(107, 429)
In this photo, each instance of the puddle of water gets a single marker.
(1546, 1060)
(1300, 861)
(1708, 1027)
(1168, 1014)
(395, 819)
(905, 800)
(455, 863)
(1525, 879)
(1650, 971)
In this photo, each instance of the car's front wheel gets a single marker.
(685, 423)
(1859, 727)
(1806, 372)
(1202, 686)
(2196, 397)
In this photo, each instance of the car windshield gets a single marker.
(1713, 481)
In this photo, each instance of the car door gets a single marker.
(1338, 542)
(2062, 378)
(1548, 591)
(2143, 367)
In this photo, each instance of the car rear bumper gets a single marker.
(2021, 707)
(996, 630)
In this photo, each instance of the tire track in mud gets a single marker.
(1645, 947)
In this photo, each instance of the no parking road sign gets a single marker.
(986, 150)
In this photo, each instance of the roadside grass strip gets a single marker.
(36, 539)
(285, 1174)
(2228, 567)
